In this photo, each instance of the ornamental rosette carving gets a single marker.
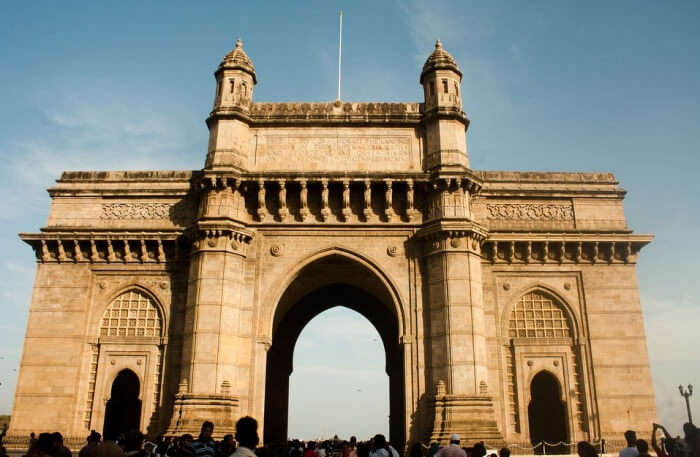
(136, 210)
(530, 211)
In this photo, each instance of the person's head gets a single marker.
(94, 437)
(45, 443)
(585, 449)
(642, 446)
(379, 441)
(631, 438)
(479, 450)
(148, 447)
(454, 439)
(311, 445)
(247, 432)
(32, 435)
(133, 439)
(353, 441)
(56, 440)
(362, 450)
(228, 440)
(504, 452)
(186, 440)
(206, 431)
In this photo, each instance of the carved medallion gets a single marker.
(276, 250)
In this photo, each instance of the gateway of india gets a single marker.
(507, 302)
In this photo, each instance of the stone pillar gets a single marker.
(458, 355)
(215, 370)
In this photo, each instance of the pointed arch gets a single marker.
(274, 297)
(133, 311)
(543, 289)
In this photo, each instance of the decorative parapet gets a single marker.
(335, 112)
(568, 248)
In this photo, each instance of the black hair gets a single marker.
(247, 432)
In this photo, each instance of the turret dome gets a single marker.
(238, 60)
(440, 60)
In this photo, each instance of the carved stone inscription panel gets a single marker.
(343, 152)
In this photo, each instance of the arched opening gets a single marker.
(123, 411)
(547, 414)
(334, 280)
(338, 386)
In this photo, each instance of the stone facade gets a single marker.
(200, 282)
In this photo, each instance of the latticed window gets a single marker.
(537, 315)
(131, 314)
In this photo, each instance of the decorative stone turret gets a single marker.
(445, 122)
(229, 120)
(235, 79)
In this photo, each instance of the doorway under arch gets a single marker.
(334, 280)
(123, 412)
(547, 414)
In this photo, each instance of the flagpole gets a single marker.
(340, 48)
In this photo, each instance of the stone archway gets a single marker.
(334, 280)
(547, 414)
(123, 410)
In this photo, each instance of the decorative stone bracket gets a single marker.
(464, 236)
(105, 247)
(572, 249)
(226, 239)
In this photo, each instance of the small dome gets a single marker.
(440, 60)
(238, 59)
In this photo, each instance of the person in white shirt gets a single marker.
(631, 449)
(247, 437)
(453, 450)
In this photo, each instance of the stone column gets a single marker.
(218, 327)
(458, 355)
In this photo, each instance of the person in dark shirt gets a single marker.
(203, 446)
(226, 447)
(643, 448)
(57, 447)
(92, 442)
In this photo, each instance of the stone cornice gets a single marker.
(563, 248)
(449, 113)
(92, 246)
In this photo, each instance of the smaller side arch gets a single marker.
(568, 310)
(104, 305)
(123, 409)
(559, 381)
(547, 414)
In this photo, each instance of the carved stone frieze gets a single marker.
(136, 210)
(530, 211)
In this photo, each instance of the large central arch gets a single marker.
(333, 279)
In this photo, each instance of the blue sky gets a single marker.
(587, 86)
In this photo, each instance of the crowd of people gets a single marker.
(246, 440)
